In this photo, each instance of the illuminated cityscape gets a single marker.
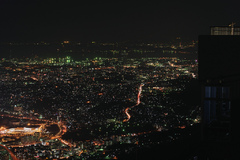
(119, 80)
(108, 101)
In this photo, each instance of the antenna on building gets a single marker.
(232, 27)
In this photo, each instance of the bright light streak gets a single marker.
(138, 102)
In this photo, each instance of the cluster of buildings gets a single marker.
(90, 97)
(82, 50)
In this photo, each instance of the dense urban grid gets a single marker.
(98, 107)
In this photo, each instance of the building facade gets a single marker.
(219, 76)
(225, 30)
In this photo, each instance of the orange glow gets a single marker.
(35, 79)
(80, 153)
(138, 102)
(182, 127)
(2, 128)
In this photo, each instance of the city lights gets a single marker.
(87, 106)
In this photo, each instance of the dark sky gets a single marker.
(50, 20)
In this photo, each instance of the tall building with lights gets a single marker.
(219, 75)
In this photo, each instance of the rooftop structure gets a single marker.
(225, 30)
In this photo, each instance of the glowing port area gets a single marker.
(20, 130)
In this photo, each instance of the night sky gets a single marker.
(56, 20)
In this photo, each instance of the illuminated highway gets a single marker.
(138, 102)
(60, 133)
(10, 152)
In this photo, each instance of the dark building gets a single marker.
(219, 75)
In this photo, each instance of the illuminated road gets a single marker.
(60, 133)
(65, 142)
(10, 152)
(138, 102)
(21, 117)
